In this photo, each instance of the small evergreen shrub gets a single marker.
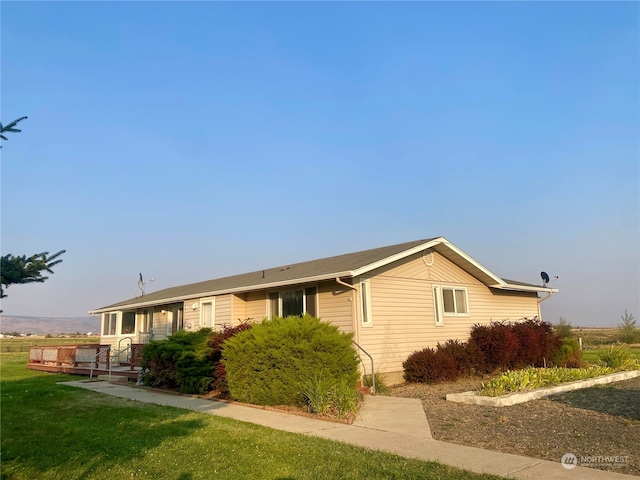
(430, 366)
(271, 363)
(179, 362)
(569, 354)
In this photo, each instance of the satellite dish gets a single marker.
(545, 278)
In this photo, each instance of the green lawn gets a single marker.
(591, 355)
(52, 431)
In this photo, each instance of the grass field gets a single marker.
(52, 431)
(591, 355)
(22, 344)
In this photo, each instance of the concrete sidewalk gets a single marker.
(392, 424)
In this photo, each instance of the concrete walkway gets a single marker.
(392, 424)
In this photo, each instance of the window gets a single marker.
(454, 301)
(437, 306)
(294, 302)
(206, 315)
(174, 321)
(128, 323)
(109, 321)
(365, 304)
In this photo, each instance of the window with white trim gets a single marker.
(454, 301)
(128, 325)
(109, 321)
(207, 314)
(437, 306)
(365, 303)
(295, 303)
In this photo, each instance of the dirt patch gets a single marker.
(597, 421)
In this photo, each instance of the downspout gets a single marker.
(540, 300)
(357, 329)
(345, 284)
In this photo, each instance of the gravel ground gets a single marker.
(597, 421)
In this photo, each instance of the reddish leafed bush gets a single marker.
(498, 344)
(467, 356)
(215, 341)
(430, 366)
(516, 345)
(538, 343)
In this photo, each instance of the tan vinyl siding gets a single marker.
(403, 309)
(335, 305)
(256, 306)
(223, 311)
(191, 316)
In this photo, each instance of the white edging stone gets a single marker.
(521, 397)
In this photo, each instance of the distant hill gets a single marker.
(44, 325)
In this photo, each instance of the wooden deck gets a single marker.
(84, 359)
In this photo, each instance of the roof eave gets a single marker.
(523, 288)
(247, 288)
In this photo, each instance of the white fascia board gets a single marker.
(248, 288)
(524, 288)
(397, 256)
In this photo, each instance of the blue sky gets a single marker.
(189, 141)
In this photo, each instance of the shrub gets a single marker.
(563, 328)
(569, 354)
(617, 357)
(537, 343)
(515, 345)
(466, 355)
(430, 366)
(271, 363)
(215, 342)
(497, 342)
(179, 362)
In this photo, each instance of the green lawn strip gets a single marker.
(591, 355)
(52, 431)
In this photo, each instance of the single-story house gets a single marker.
(395, 299)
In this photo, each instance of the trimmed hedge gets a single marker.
(179, 362)
(271, 363)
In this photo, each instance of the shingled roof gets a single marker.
(347, 265)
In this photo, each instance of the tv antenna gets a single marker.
(141, 284)
(545, 278)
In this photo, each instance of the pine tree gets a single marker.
(11, 127)
(22, 269)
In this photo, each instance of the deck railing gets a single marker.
(70, 355)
